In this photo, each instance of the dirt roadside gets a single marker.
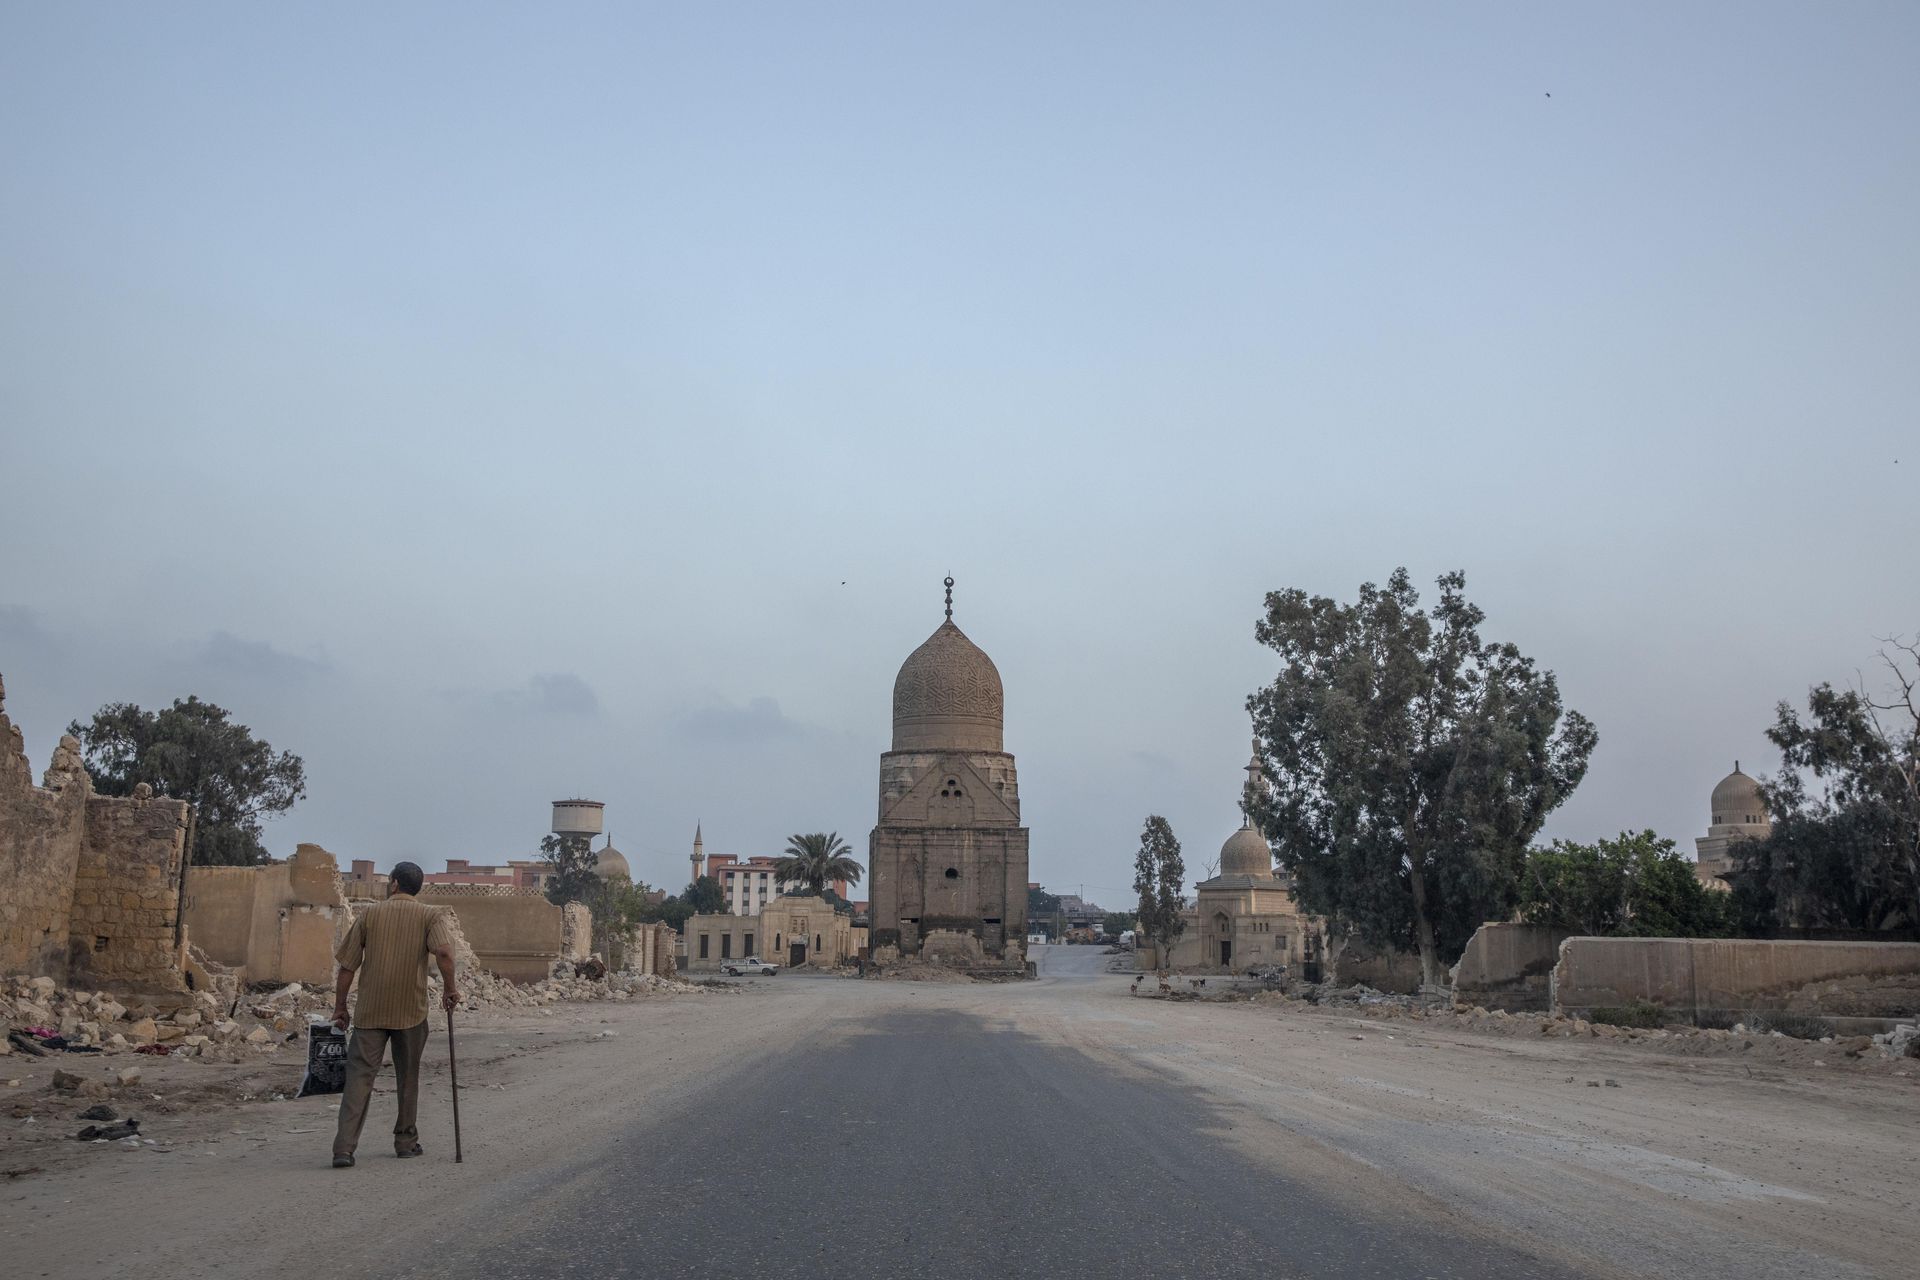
(244, 1188)
(1628, 1157)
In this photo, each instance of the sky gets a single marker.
(494, 404)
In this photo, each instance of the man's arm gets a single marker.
(450, 994)
(342, 983)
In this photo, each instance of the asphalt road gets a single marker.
(956, 1145)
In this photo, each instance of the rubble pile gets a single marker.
(44, 1020)
(482, 990)
(1901, 1042)
(1890, 1048)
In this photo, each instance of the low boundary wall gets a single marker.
(1692, 976)
(1510, 967)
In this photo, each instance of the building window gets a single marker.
(703, 946)
(816, 942)
(726, 946)
(749, 947)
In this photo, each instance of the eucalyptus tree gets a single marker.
(1407, 763)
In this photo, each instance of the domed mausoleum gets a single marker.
(612, 864)
(1738, 813)
(1245, 917)
(947, 864)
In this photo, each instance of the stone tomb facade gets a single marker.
(791, 931)
(1245, 917)
(947, 863)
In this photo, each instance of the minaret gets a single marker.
(698, 855)
(1256, 785)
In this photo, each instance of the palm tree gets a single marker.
(816, 861)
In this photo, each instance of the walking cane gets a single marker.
(453, 1069)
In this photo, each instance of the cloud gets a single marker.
(228, 653)
(725, 722)
(559, 694)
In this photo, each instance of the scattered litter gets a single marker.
(110, 1132)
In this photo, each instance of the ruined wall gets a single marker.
(576, 931)
(1383, 969)
(515, 933)
(1509, 966)
(274, 923)
(89, 885)
(650, 949)
(220, 911)
(42, 831)
(124, 927)
(1690, 976)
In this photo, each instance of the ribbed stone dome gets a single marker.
(947, 696)
(1245, 854)
(1736, 800)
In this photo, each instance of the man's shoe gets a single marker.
(343, 1162)
(418, 1150)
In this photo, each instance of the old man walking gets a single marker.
(388, 947)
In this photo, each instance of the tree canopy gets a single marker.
(706, 897)
(1159, 877)
(816, 861)
(1845, 848)
(570, 861)
(1409, 763)
(1636, 885)
(193, 751)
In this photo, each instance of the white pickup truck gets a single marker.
(749, 966)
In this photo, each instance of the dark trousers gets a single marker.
(366, 1051)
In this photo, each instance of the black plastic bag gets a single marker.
(326, 1061)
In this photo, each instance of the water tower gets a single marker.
(584, 818)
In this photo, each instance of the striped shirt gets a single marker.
(389, 945)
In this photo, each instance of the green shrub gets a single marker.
(1638, 1014)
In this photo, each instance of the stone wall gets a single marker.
(576, 931)
(516, 934)
(275, 923)
(42, 830)
(89, 885)
(126, 928)
(1509, 966)
(1724, 977)
(650, 949)
(1383, 969)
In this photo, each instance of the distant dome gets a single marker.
(948, 696)
(1246, 854)
(1737, 802)
(612, 863)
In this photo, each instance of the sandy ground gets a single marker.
(1709, 1166)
